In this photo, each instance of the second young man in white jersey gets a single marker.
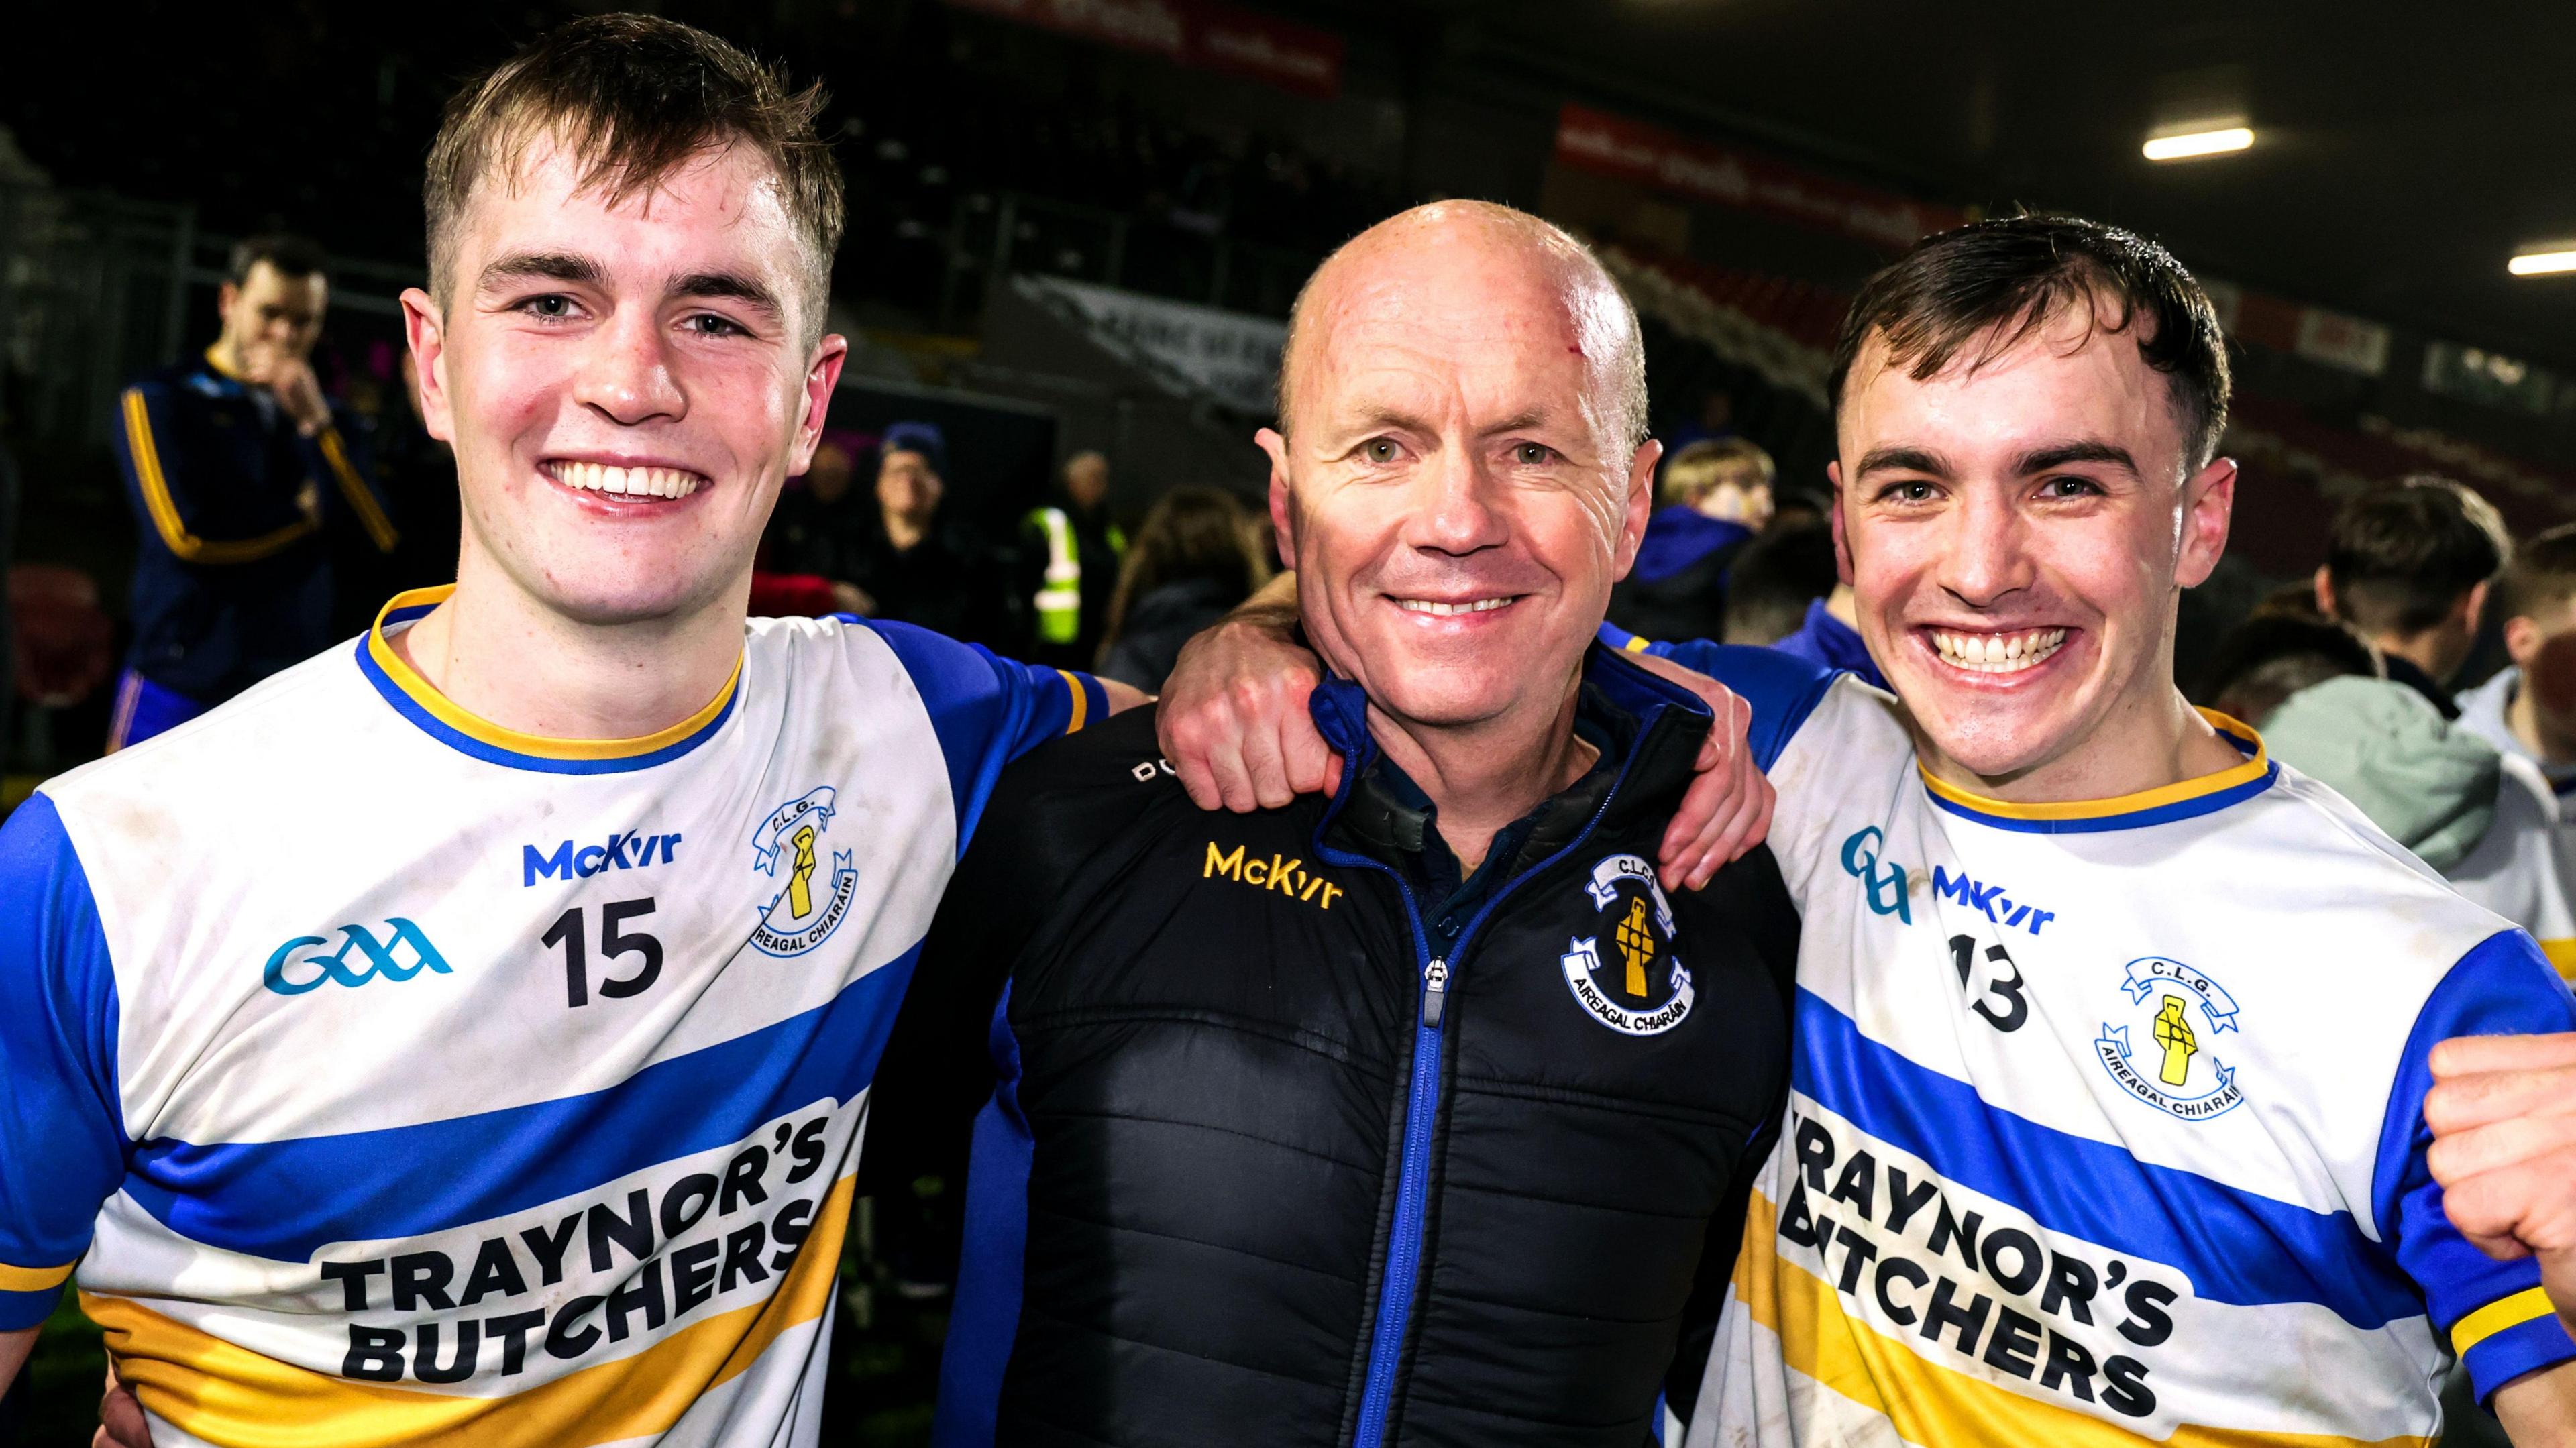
(2113, 1035)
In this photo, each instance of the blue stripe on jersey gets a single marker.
(2181, 809)
(987, 711)
(991, 1272)
(2503, 987)
(464, 743)
(62, 1118)
(1782, 688)
(2236, 1246)
(284, 1199)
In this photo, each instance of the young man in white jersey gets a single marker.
(2107, 1108)
(466, 1036)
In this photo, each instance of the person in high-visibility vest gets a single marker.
(1069, 565)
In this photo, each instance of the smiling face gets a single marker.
(1459, 485)
(626, 382)
(2016, 529)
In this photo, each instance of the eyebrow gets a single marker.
(730, 285)
(2042, 460)
(1902, 459)
(552, 266)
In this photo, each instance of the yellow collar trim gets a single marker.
(2255, 767)
(419, 690)
(215, 360)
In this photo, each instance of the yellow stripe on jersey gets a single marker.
(33, 1279)
(2562, 955)
(2085, 809)
(1081, 702)
(420, 692)
(227, 1394)
(1926, 1403)
(380, 529)
(184, 545)
(2498, 1315)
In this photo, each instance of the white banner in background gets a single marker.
(1231, 358)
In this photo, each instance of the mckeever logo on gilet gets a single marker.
(1638, 986)
(787, 848)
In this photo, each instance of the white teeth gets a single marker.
(627, 482)
(1998, 653)
(1444, 610)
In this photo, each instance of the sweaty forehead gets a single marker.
(1479, 326)
(2064, 378)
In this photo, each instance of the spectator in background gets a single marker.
(1194, 559)
(2486, 820)
(1786, 591)
(1799, 505)
(822, 525)
(235, 464)
(2407, 566)
(1715, 495)
(1069, 552)
(2529, 709)
(914, 566)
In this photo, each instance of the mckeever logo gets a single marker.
(625, 850)
(1279, 873)
(1991, 899)
(287, 977)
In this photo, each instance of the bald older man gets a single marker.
(1417, 1114)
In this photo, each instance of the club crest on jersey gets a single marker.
(787, 848)
(2165, 1052)
(1637, 985)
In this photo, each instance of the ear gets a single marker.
(2522, 639)
(2475, 607)
(821, 376)
(426, 333)
(1641, 506)
(1842, 538)
(1283, 520)
(2209, 502)
(2325, 590)
(226, 293)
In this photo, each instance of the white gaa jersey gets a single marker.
(379, 1075)
(2105, 1118)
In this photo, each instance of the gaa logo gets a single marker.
(1636, 987)
(286, 976)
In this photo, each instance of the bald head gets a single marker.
(1461, 264)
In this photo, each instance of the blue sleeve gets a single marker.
(1782, 688)
(62, 1131)
(2499, 1321)
(988, 711)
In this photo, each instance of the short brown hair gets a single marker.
(635, 97)
(2003, 279)
(2541, 576)
(1690, 473)
(2401, 556)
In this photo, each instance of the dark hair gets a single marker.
(1188, 533)
(635, 97)
(1990, 284)
(2401, 556)
(1771, 582)
(2264, 660)
(924, 438)
(2541, 575)
(288, 254)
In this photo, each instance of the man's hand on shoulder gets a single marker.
(1233, 718)
(2503, 1115)
(1728, 808)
